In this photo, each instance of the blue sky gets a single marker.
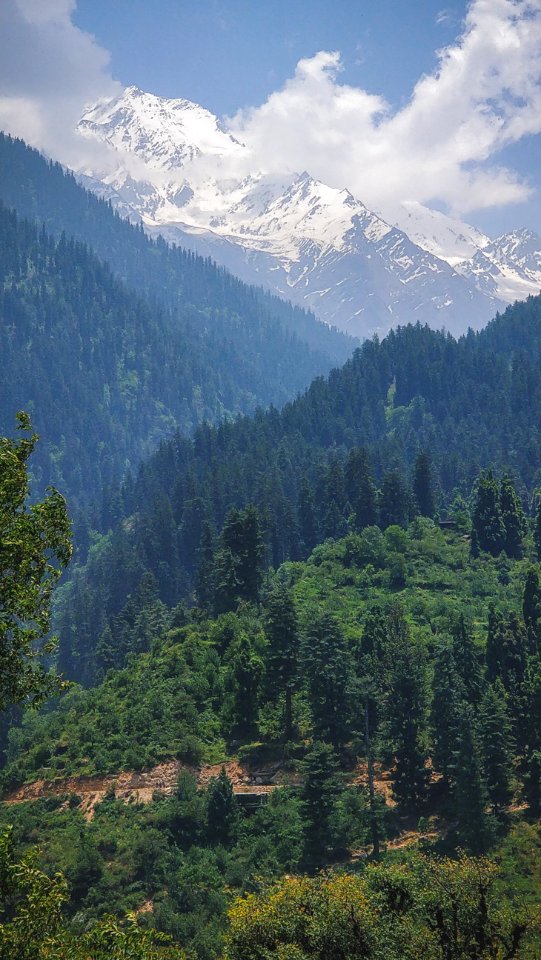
(227, 55)
(360, 93)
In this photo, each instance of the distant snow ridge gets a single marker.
(186, 177)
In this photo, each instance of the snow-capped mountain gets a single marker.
(177, 167)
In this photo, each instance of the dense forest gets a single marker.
(294, 705)
(342, 456)
(44, 192)
(106, 375)
(383, 690)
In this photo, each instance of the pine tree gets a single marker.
(495, 744)
(319, 794)
(394, 506)
(308, 529)
(467, 660)
(336, 507)
(448, 697)
(360, 489)
(245, 670)
(487, 518)
(241, 535)
(532, 784)
(282, 657)
(475, 826)
(407, 717)
(204, 585)
(225, 582)
(530, 728)
(327, 670)
(222, 810)
(423, 487)
(537, 529)
(531, 609)
(514, 520)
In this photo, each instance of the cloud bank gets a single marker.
(485, 95)
(49, 71)
(441, 147)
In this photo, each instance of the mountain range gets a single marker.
(173, 166)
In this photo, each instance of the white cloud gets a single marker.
(49, 71)
(441, 147)
(485, 94)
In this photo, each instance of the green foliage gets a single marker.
(32, 924)
(203, 678)
(35, 546)
(326, 665)
(445, 910)
(222, 810)
(513, 517)
(475, 826)
(406, 715)
(282, 632)
(109, 370)
(496, 746)
(307, 469)
(487, 517)
(423, 485)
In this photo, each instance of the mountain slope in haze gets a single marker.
(176, 166)
(42, 191)
(105, 374)
(471, 403)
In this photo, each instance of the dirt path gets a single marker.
(133, 786)
(140, 786)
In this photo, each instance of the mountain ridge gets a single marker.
(317, 245)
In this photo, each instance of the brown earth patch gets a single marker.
(140, 786)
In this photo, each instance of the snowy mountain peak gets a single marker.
(181, 170)
(165, 134)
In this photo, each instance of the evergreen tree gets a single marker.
(308, 529)
(204, 586)
(394, 506)
(225, 582)
(327, 670)
(336, 508)
(245, 670)
(514, 520)
(241, 535)
(320, 790)
(531, 609)
(360, 489)
(448, 696)
(370, 672)
(537, 529)
(475, 827)
(495, 744)
(407, 716)
(467, 660)
(107, 653)
(222, 810)
(282, 657)
(532, 784)
(423, 485)
(530, 731)
(487, 517)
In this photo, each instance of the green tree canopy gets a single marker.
(35, 546)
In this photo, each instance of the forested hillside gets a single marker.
(106, 375)
(391, 661)
(342, 456)
(42, 191)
